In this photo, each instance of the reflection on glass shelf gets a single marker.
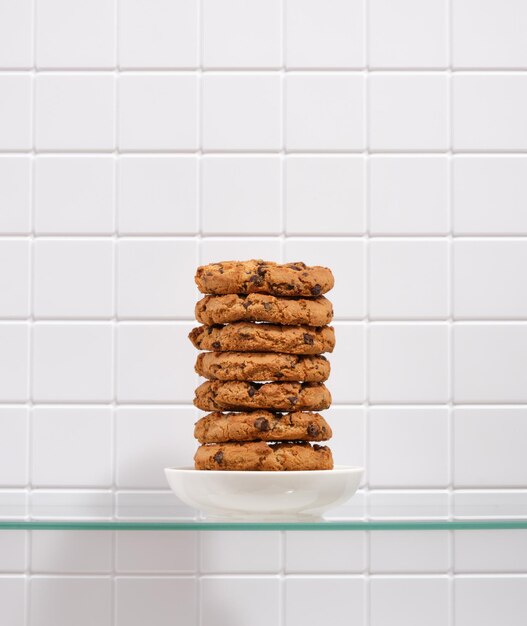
(376, 510)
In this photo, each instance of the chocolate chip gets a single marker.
(312, 430)
(293, 399)
(317, 447)
(316, 290)
(257, 279)
(308, 339)
(267, 306)
(218, 457)
(251, 391)
(210, 329)
(261, 424)
(289, 287)
(246, 305)
(279, 375)
(294, 267)
(216, 345)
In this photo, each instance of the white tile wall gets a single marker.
(384, 138)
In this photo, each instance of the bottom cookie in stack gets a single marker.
(262, 440)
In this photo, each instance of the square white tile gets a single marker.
(489, 34)
(408, 447)
(349, 434)
(488, 601)
(74, 195)
(14, 362)
(488, 447)
(324, 112)
(489, 363)
(321, 34)
(77, 551)
(56, 601)
(225, 248)
(242, 33)
(497, 551)
(150, 439)
(408, 34)
(336, 183)
(16, 25)
(241, 195)
(489, 279)
(347, 260)
(489, 195)
(155, 552)
(488, 112)
(409, 195)
(15, 195)
(411, 601)
(225, 600)
(408, 279)
(155, 363)
(408, 364)
(12, 551)
(347, 382)
(75, 112)
(408, 112)
(161, 34)
(157, 195)
(154, 278)
(75, 34)
(14, 429)
(15, 114)
(336, 552)
(139, 600)
(251, 552)
(71, 447)
(402, 551)
(72, 362)
(13, 600)
(338, 601)
(73, 278)
(158, 112)
(231, 104)
(14, 278)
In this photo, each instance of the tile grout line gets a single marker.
(31, 296)
(450, 292)
(115, 303)
(199, 191)
(366, 356)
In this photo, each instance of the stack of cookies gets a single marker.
(265, 329)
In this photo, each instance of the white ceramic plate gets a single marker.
(264, 495)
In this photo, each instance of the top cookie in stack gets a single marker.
(265, 325)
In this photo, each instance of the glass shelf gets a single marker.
(162, 511)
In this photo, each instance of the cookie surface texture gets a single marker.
(256, 276)
(261, 456)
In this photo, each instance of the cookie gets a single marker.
(261, 426)
(256, 276)
(253, 337)
(262, 366)
(261, 456)
(236, 395)
(259, 307)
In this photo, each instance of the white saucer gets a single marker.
(264, 495)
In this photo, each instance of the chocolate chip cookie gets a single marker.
(261, 426)
(256, 276)
(262, 366)
(254, 337)
(236, 395)
(258, 455)
(259, 307)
